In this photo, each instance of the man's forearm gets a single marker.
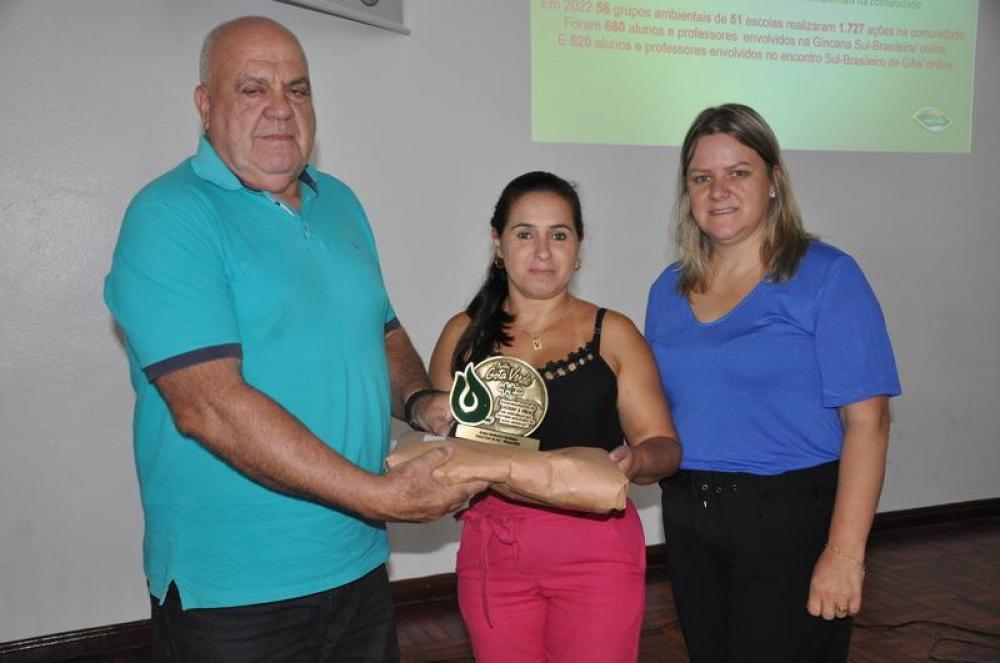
(406, 370)
(211, 403)
(261, 439)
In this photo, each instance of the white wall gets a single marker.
(95, 100)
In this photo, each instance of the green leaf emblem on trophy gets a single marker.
(471, 402)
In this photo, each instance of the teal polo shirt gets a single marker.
(206, 267)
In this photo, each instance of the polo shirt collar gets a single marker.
(208, 166)
(308, 177)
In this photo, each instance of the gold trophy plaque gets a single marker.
(500, 400)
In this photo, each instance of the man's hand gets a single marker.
(410, 493)
(432, 413)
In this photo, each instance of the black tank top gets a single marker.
(583, 399)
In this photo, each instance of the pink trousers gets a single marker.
(540, 585)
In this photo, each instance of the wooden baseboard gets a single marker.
(120, 641)
(935, 515)
(439, 587)
(103, 643)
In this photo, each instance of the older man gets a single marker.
(266, 360)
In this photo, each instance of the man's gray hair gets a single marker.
(208, 46)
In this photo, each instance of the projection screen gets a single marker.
(885, 75)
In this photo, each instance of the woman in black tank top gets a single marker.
(537, 583)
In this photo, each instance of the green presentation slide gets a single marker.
(873, 75)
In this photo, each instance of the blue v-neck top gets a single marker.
(758, 390)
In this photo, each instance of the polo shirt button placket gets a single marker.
(306, 232)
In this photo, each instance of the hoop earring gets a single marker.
(578, 265)
(498, 262)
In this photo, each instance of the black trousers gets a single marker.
(354, 623)
(741, 550)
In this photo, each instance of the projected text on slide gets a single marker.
(888, 75)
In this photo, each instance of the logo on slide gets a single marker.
(932, 119)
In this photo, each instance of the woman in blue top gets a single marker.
(777, 366)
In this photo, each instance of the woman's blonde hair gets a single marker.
(785, 240)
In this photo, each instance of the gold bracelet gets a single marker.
(840, 553)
